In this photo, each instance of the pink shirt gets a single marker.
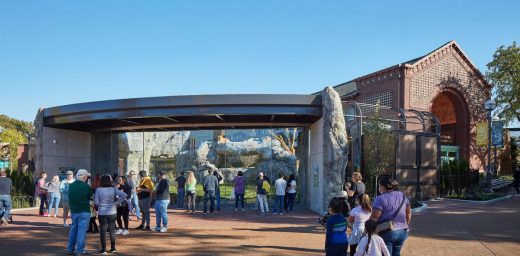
(38, 189)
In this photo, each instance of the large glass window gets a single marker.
(270, 150)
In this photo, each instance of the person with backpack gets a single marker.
(371, 244)
(240, 188)
(210, 185)
(262, 189)
(106, 199)
(336, 235)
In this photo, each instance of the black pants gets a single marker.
(353, 249)
(107, 221)
(336, 250)
(44, 204)
(516, 184)
(122, 213)
(92, 227)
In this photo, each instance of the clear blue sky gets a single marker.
(62, 52)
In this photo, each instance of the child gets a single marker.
(93, 227)
(336, 236)
(371, 244)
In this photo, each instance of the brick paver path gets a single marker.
(446, 228)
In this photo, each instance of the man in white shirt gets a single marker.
(280, 185)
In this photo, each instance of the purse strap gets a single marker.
(399, 209)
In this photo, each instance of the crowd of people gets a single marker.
(103, 204)
(377, 228)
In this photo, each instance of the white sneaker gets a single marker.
(125, 232)
(65, 225)
(164, 229)
(236, 209)
(119, 231)
(243, 209)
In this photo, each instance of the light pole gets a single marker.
(489, 105)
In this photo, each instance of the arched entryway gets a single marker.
(452, 111)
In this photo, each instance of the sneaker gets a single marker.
(140, 227)
(4, 221)
(113, 251)
(204, 213)
(119, 231)
(164, 229)
(263, 214)
(147, 228)
(210, 214)
(65, 225)
(281, 213)
(243, 209)
(157, 229)
(236, 209)
(125, 232)
(102, 252)
(82, 253)
(55, 215)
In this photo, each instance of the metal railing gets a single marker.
(22, 201)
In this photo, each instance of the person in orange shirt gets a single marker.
(144, 194)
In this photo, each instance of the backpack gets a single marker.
(266, 186)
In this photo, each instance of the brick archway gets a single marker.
(452, 110)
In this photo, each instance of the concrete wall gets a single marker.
(315, 170)
(64, 148)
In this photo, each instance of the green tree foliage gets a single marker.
(15, 124)
(22, 183)
(15, 133)
(504, 73)
(378, 149)
(514, 152)
(14, 138)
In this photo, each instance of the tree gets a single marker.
(378, 148)
(504, 73)
(14, 138)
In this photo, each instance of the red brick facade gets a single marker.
(444, 82)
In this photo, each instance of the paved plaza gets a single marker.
(446, 228)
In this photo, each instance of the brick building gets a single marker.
(444, 82)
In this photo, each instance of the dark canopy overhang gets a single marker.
(187, 112)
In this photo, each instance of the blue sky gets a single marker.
(62, 52)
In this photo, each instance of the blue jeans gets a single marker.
(180, 198)
(78, 231)
(239, 197)
(394, 240)
(161, 212)
(135, 204)
(278, 204)
(54, 202)
(5, 206)
(290, 201)
(217, 196)
(209, 195)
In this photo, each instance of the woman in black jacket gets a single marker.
(123, 212)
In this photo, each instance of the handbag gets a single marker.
(389, 224)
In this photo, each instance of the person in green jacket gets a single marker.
(79, 202)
